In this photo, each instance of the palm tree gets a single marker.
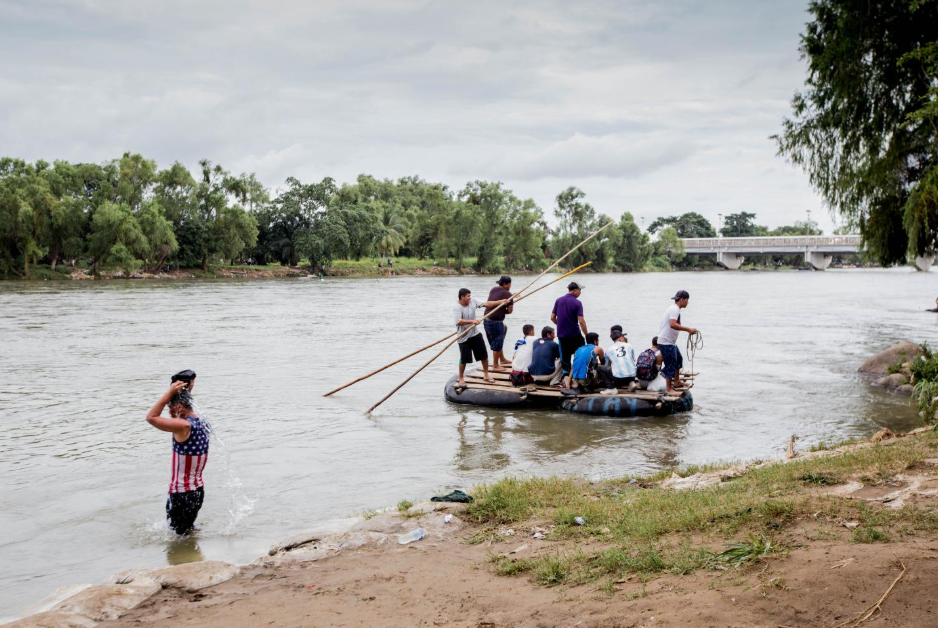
(391, 230)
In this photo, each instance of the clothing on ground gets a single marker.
(666, 334)
(621, 357)
(474, 347)
(456, 496)
(466, 312)
(672, 358)
(568, 347)
(497, 294)
(544, 356)
(190, 457)
(524, 350)
(183, 508)
(568, 309)
(495, 332)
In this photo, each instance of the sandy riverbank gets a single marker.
(821, 538)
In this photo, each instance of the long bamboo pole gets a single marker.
(565, 256)
(466, 331)
(433, 344)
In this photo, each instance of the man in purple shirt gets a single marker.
(568, 316)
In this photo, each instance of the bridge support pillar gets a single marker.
(924, 263)
(818, 261)
(729, 261)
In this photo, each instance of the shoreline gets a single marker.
(43, 273)
(501, 562)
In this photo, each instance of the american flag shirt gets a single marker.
(190, 458)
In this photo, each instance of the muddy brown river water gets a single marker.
(84, 477)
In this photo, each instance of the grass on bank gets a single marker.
(635, 529)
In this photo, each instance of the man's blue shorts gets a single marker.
(495, 332)
(672, 358)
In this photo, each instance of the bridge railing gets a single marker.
(770, 241)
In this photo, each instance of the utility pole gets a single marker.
(720, 219)
(807, 226)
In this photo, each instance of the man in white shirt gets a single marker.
(471, 345)
(620, 359)
(667, 341)
(524, 349)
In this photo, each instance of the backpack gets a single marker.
(646, 365)
(521, 378)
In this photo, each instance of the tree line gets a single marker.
(130, 214)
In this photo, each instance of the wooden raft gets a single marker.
(474, 380)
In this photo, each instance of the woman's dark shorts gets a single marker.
(475, 346)
(183, 508)
(495, 331)
(672, 358)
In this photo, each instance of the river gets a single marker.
(85, 477)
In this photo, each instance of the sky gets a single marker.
(656, 108)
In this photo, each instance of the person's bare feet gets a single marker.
(498, 368)
(461, 384)
(490, 380)
(672, 392)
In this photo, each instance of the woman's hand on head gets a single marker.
(175, 387)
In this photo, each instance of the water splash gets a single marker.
(240, 504)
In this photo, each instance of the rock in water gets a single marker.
(878, 364)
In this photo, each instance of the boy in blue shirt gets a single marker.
(585, 371)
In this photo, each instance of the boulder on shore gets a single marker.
(899, 352)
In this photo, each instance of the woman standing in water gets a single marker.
(190, 454)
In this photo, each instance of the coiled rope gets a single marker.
(694, 344)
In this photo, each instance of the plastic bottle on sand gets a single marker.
(410, 537)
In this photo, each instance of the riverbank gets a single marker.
(350, 269)
(823, 538)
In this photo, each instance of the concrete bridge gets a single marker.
(818, 250)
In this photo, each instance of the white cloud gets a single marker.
(657, 108)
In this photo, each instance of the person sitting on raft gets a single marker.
(190, 454)
(545, 359)
(648, 364)
(585, 371)
(620, 360)
(521, 359)
(471, 345)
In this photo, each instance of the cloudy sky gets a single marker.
(654, 107)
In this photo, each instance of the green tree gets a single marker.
(391, 229)
(634, 249)
(742, 225)
(523, 236)
(575, 219)
(116, 238)
(159, 239)
(491, 201)
(864, 127)
(801, 227)
(688, 225)
(670, 246)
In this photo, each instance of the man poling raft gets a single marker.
(500, 382)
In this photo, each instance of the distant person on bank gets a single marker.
(567, 315)
(545, 359)
(190, 453)
(670, 328)
(494, 325)
(471, 346)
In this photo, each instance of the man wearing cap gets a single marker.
(667, 341)
(471, 345)
(567, 315)
(495, 328)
